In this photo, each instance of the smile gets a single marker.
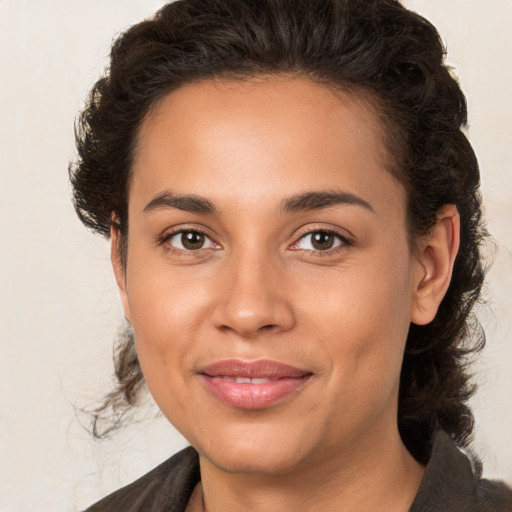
(248, 380)
(252, 385)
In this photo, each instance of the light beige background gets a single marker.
(59, 310)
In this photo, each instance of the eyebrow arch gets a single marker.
(187, 203)
(318, 200)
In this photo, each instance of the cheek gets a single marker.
(163, 297)
(167, 312)
(359, 299)
(361, 319)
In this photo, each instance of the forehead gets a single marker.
(260, 137)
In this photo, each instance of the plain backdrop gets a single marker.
(58, 305)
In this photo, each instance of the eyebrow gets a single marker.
(187, 203)
(310, 201)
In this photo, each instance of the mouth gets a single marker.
(252, 385)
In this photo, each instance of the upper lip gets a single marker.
(260, 369)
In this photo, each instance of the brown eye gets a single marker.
(320, 241)
(191, 241)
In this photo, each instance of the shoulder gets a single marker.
(452, 483)
(168, 485)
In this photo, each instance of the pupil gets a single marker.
(192, 240)
(322, 240)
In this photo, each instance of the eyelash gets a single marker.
(344, 242)
(312, 253)
(176, 250)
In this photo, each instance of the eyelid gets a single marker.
(342, 235)
(169, 234)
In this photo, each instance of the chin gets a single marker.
(255, 449)
(263, 461)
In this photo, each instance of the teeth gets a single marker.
(248, 380)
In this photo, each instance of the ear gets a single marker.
(118, 264)
(435, 257)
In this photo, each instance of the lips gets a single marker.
(254, 384)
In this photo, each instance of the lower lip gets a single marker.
(253, 396)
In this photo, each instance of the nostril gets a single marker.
(263, 328)
(250, 314)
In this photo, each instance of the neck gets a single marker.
(380, 476)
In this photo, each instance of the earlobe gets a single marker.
(118, 264)
(436, 253)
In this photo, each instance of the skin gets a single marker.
(258, 289)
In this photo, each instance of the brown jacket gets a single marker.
(449, 485)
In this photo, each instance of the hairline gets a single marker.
(363, 96)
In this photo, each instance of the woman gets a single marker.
(295, 224)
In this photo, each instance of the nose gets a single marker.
(253, 299)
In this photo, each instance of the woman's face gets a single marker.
(268, 277)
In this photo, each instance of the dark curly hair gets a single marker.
(376, 48)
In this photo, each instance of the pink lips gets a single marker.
(252, 385)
